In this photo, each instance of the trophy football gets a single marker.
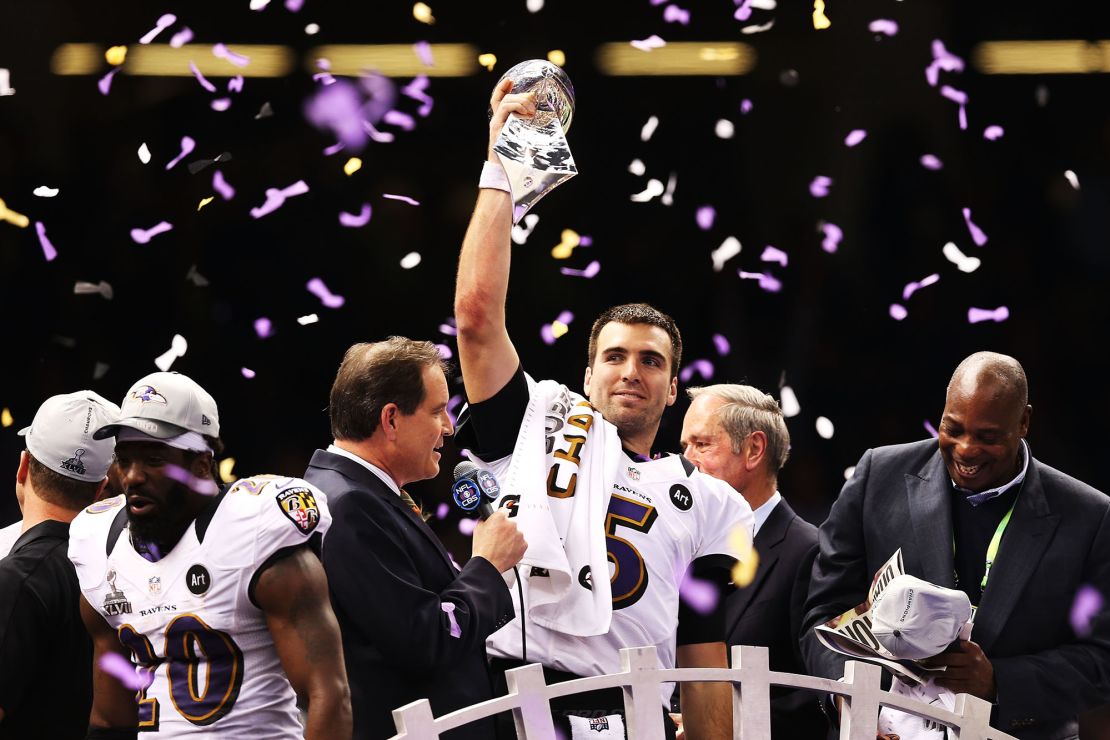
(534, 151)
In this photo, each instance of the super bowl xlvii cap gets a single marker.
(164, 405)
(61, 435)
(916, 619)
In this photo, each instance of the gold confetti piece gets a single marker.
(557, 57)
(227, 466)
(115, 55)
(6, 418)
(820, 20)
(489, 61)
(743, 573)
(206, 201)
(558, 328)
(353, 165)
(423, 13)
(569, 240)
(16, 219)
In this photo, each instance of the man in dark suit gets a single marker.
(413, 625)
(944, 502)
(737, 433)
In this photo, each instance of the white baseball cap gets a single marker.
(164, 405)
(915, 619)
(61, 435)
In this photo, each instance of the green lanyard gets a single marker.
(992, 548)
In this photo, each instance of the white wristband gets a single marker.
(494, 177)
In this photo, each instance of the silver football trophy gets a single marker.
(534, 152)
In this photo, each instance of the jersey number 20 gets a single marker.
(190, 647)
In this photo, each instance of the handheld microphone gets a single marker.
(475, 489)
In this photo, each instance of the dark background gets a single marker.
(827, 334)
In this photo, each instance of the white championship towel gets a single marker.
(565, 535)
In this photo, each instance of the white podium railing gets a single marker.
(529, 700)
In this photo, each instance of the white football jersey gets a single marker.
(661, 515)
(188, 618)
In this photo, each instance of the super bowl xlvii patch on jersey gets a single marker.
(194, 632)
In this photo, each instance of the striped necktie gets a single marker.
(409, 502)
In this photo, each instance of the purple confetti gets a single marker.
(453, 404)
(930, 162)
(187, 147)
(383, 137)
(201, 78)
(975, 315)
(221, 104)
(651, 42)
(701, 596)
(263, 327)
(275, 198)
(591, 270)
(913, 287)
(48, 250)
(219, 184)
(124, 671)
(745, 107)
(324, 64)
(294, 6)
(105, 82)
(956, 96)
(702, 367)
(424, 53)
(449, 609)
(467, 525)
(401, 120)
(723, 347)
(247, 372)
(932, 430)
(898, 311)
(774, 254)
(585, 241)
(333, 149)
(854, 137)
(444, 351)
(221, 51)
(441, 511)
(324, 77)
(743, 10)
(235, 84)
(819, 188)
(705, 216)
(182, 37)
(884, 26)
(767, 281)
(353, 221)
(675, 14)
(416, 91)
(993, 133)
(330, 300)
(163, 23)
(1088, 603)
(140, 236)
(833, 235)
(203, 486)
(448, 328)
(942, 60)
(977, 234)
(402, 198)
(338, 108)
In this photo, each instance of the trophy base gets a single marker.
(536, 159)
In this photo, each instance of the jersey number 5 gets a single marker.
(190, 647)
(630, 576)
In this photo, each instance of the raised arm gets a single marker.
(114, 706)
(293, 593)
(486, 353)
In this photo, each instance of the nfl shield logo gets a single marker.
(599, 723)
(155, 584)
(633, 473)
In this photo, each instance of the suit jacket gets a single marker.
(389, 578)
(1058, 540)
(768, 612)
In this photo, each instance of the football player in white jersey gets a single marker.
(216, 595)
(662, 516)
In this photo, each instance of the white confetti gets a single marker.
(1072, 179)
(410, 260)
(824, 427)
(724, 129)
(309, 319)
(849, 472)
(177, 349)
(789, 402)
(649, 128)
(534, 6)
(5, 87)
(729, 248)
(43, 191)
(259, 4)
(312, 29)
(521, 232)
(668, 194)
(144, 154)
(654, 189)
(637, 167)
(964, 263)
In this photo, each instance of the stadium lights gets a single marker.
(1060, 56)
(677, 58)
